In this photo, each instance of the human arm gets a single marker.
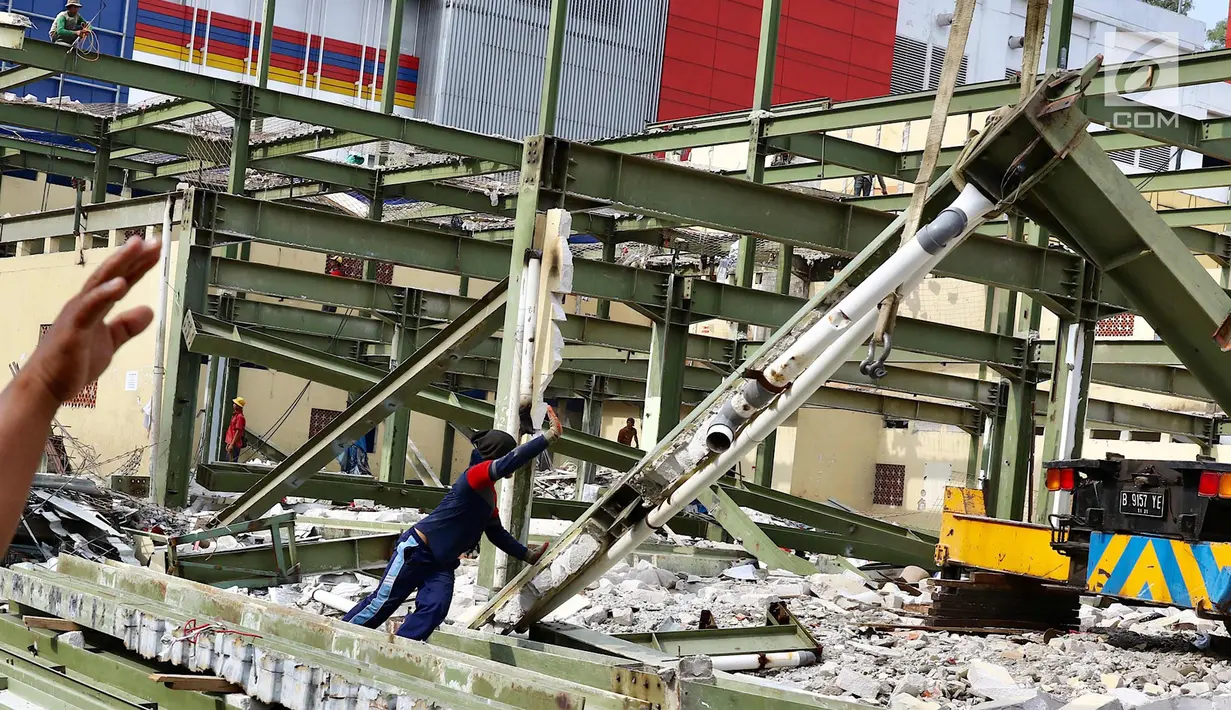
(503, 539)
(77, 348)
(508, 464)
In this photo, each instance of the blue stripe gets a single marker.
(1098, 544)
(386, 583)
(1205, 562)
(1171, 573)
(1124, 566)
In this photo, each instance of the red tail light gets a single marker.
(1068, 479)
(1208, 485)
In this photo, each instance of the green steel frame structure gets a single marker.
(604, 359)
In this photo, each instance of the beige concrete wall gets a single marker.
(36, 287)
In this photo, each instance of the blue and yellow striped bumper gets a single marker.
(1161, 570)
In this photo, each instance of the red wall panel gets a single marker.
(840, 49)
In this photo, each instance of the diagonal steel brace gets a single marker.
(395, 390)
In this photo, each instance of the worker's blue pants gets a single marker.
(411, 567)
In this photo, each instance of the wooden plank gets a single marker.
(49, 622)
(196, 683)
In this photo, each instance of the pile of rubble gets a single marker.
(74, 515)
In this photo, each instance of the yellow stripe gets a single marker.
(1147, 574)
(1102, 569)
(1189, 571)
(1222, 553)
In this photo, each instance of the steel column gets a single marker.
(553, 66)
(591, 423)
(183, 367)
(396, 433)
(394, 390)
(393, 55)
(102, 166)
(1059, 34)
(762, 100)
(664, 386)
(267, 43)
(515, 490)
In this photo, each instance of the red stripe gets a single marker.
(163, 7)
(284, 62)
(227, 49)
(179, 39)
(230, 22)
(407, 87)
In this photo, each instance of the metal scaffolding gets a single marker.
(277, 193)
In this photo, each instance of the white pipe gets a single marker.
(333, 601)
(813, 377)
(805, 386)
(526, 377)
(915, 258)
(764, 661)
(1061, 500)
(160, 339)
(217, 407)
(515, 367)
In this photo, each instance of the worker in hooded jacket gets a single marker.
(427, 554)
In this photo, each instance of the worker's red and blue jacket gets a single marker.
(468, 511)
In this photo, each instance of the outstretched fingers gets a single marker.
(129, 324)
(131, 262)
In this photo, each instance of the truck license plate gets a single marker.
(1138, 503)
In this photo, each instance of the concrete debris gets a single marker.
(858, 684)
(1130, 698)
(1094, 701)
(911, 684)
(914, 575)
(747, 573)
(910, 702)
(991, 681)
(76, 639)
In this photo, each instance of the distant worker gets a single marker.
(236, 431)
(69, 26)
(427, 554)
(335, 269)
(863, 185)
(628, 435)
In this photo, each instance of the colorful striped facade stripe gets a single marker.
(1157, 569)
(231, 43)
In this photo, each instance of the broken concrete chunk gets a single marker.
(858, 684)
(747, 573)
(1179, 703)
(791, 590)
(695, 668)
(76, 639)
(911, 684)
(991, 681)
(1130, 698)
(1094, 701)
(622, 616)
(910, 702)
(1196, 688)
(914, 575)
(1033, 699)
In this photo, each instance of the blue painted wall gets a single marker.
(114, 22)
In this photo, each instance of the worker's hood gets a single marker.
(492, 444)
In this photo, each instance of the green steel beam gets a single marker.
(20, 76)
(1061, 34)
(208, 336)
(183, 370)
(418, 371)
(393, 53)
(820, 117)
(174, 110)
(227, 95)
(353, 554)
(1121, 233)
(266, 43)
(1158, 379)
(553, 66)
(119, 672)
(1123, 352)
(838, 532)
